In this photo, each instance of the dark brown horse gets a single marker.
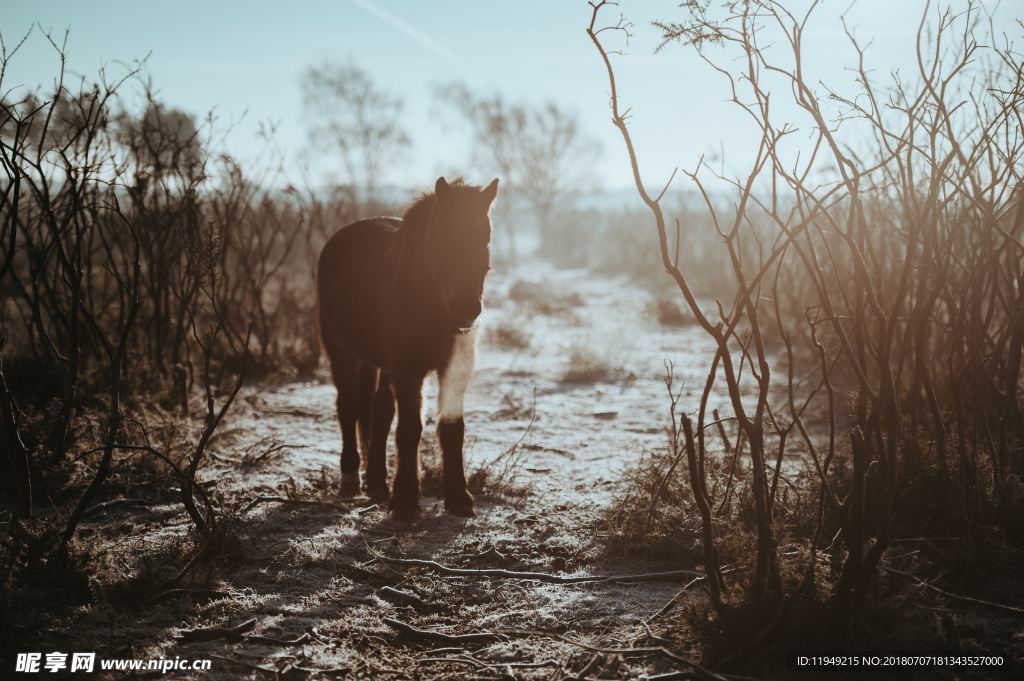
(397, 299)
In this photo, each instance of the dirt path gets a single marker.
(553, 418)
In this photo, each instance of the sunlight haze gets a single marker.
(244, 61)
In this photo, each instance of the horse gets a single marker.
(398, 299)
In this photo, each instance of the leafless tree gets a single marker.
(905, 244)
(540, 152)
(129, 259)
(349, 112)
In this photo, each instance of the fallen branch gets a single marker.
(525, 665)
(270, 640)
(250, 459)
(285, 500)
(360, 574)
(675, 599)
(171, 593)
(112, 504)
(698, 672)
(401, 597)
(956, 596)
(236, 633)
(497, 573)
(427, 634)
(452, 660)
(489, 553)
(581, 675)
(468, 659)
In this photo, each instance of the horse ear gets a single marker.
(441, 188)
(490, 191)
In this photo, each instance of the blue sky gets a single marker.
(247, 58)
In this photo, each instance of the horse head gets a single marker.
(462, 236)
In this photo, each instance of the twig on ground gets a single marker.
(497, 573)
(269, 499)
(527, 665)
(590, 664)
(235, 633)
(114, 503)
(651, 635)
(489, 552)
(453, 660)
(468, 659)
(675, 599)
(251, 457)
(361, 574)
(270, 640)
(238, 634)
(956, 596)
(427, 634)
(402, 597)
(172, 593)
(699, 671)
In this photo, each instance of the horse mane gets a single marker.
(413, 247)
(419, 213)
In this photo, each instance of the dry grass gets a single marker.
(496, 479)
(500, 477)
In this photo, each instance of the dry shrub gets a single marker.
(896, 271)
(585, 365)
(148, 275)
(507, 336)
(667, 311)
(538, 298)
(654, 520)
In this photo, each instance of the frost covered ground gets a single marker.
(569, 393)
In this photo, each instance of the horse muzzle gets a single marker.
(465, 317)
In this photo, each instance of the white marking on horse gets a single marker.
(455, 378)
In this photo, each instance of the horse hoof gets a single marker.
(461, 505)
(349, 484)
(405, 505)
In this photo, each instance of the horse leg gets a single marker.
(344, 371)
(405, 491)
(382, 414)
(451, 428)
(366, 382)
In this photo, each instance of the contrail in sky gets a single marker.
(408, 29)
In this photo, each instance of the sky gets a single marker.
(245, 60)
